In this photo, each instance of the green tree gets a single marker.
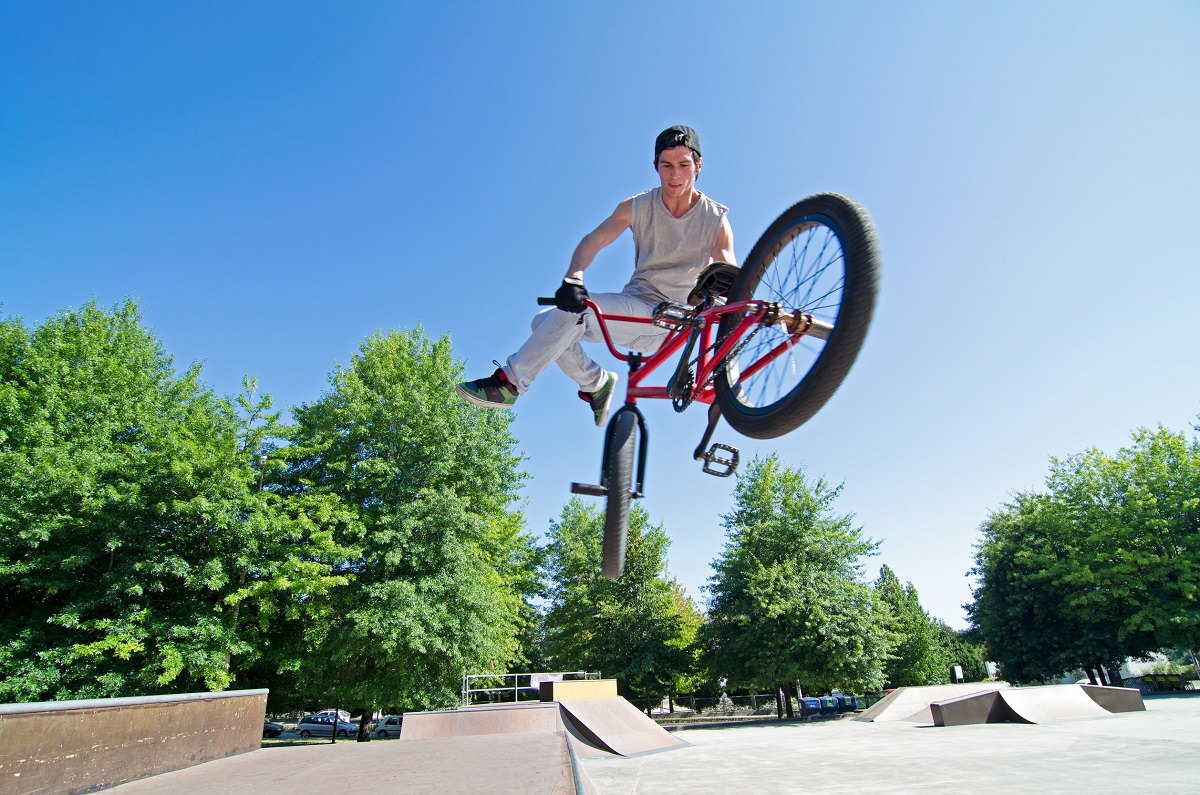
(638, 628)
(136, 554)
(443, 570)
(1020, 599)
(1137, 515)
(690, 676)
(961, 649)
(787, 598)
(919, 657)
(1099, 568)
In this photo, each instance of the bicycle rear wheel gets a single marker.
(819, 258)
(618, 478)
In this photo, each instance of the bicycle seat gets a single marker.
(715, 282)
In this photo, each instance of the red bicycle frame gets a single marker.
(753, 313)
(693, 328)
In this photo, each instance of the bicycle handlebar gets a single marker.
(546, 300)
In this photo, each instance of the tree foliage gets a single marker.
(639, 628)
(962, 649)
(1100, 567)
(787, 598)
(131, 531)
(157, 538)
(920, 656)
(443, 568)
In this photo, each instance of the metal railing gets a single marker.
(709, 705)
(733, 706)
(515, 684)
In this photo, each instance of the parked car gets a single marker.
(388, 726)
(341, 713)
(272, 729)
(323, 726)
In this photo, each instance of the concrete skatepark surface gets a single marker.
(1155, 751)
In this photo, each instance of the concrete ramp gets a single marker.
(1034, 705)
(616, 726)
(912, 703)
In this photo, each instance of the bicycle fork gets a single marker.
(719, 459)
(638, 486)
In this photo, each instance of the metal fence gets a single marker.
(507, 688)
(758, 704)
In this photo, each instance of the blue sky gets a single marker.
(274, 182)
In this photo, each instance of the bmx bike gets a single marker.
(764, 346)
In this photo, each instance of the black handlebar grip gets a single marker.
(546, 301)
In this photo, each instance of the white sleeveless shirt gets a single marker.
(670, 252)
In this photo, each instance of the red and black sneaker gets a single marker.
(493, 392)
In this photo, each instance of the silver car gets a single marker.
(388, 726)
(323, 726)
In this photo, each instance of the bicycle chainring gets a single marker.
(682, 398)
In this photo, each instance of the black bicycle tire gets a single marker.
(618, 479)
(860, 247)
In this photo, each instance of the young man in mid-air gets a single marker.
(677, 232)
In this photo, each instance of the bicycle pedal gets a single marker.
(719, 464)
(672, 316)
(589, 490)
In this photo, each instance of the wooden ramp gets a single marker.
(528, 763)
(590, 712)
(1054, 702)
(616, 726)
(1036, 705)
(912, 703)
(474, 721)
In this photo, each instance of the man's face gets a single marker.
(677, 170)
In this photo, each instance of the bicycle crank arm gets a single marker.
(714, 416)
(719, 459)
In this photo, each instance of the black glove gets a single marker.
(570, 296)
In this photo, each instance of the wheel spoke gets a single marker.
(820, 258)
(806, 274)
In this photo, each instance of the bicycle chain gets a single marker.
(689, 396)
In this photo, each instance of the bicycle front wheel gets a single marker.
(618, 478)
(819, 258)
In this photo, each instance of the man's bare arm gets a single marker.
(604, 234)
(722, 250)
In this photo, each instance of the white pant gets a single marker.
(556, 335)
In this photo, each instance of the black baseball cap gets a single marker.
(677, 135)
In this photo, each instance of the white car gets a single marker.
(388, 726)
